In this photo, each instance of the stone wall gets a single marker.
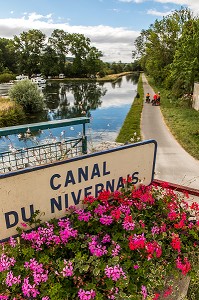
(196, 96)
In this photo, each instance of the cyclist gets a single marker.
(154, 99)
(158, 99)
(147, 98)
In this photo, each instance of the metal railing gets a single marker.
(16, 159)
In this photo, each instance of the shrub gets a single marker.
(6, 77)
(10, 113)
(27, 95)
(121, 245)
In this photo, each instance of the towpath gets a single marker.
(173, 163)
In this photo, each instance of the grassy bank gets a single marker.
(182, 121)
(130, 130)
(111, 77)
(10, 113)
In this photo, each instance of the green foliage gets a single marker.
(168, 51)
(27, 95)
(28, 54)
(12, 115)
(7, 56)
(130, 130)
(193, 292)
(6, 77)
(49, 62)
(29, 46)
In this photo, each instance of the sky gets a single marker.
(111, 25)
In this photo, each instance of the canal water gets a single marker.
(106, 104)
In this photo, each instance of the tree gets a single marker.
(79, 48)
(184, 70)
(156, 46)
(93, 62)
(59, 41)
(29, 46)
(7, 55)
(27, 95)
(49, 62)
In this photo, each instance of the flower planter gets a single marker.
(120, 245)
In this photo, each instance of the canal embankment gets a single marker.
(130, 130)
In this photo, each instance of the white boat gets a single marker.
(21, 77)
(38, 80)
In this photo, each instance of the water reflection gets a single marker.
(76, 99)
(73, 99)
(107, 105)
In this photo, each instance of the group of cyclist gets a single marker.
(156, 99)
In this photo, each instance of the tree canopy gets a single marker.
(168, 51)
(72, 54)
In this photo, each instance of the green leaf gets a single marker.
(96, 272)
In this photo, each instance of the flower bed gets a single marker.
(121, 245)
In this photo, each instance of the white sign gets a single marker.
(54, 187)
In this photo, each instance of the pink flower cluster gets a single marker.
(115, 273)
(28, 289)
(153, 248)
(6, 262)
(46, 236)
(106, 220)
(96, 248)
(175, 242)
(68, 269)
(128, 223)
(116, 249)
(86, 295)
(137, 241)
(184, 267)
(66, 232)
(11, 279)
(83, 215)
(39, 276)
(38, 272)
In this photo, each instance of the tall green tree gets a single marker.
(59, 41)
(184, 70)
(29, 46)
(7, 55)
(156, 46)
(49, 63)
(79, 48)
(93, 61)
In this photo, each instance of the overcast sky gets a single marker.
(111, 25)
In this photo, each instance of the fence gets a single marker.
(16, 159)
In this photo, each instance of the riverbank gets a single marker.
(111, 77)
(130, 130)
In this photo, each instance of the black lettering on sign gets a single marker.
(12, 217)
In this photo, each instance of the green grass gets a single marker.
(182, 121)
(131, 124)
